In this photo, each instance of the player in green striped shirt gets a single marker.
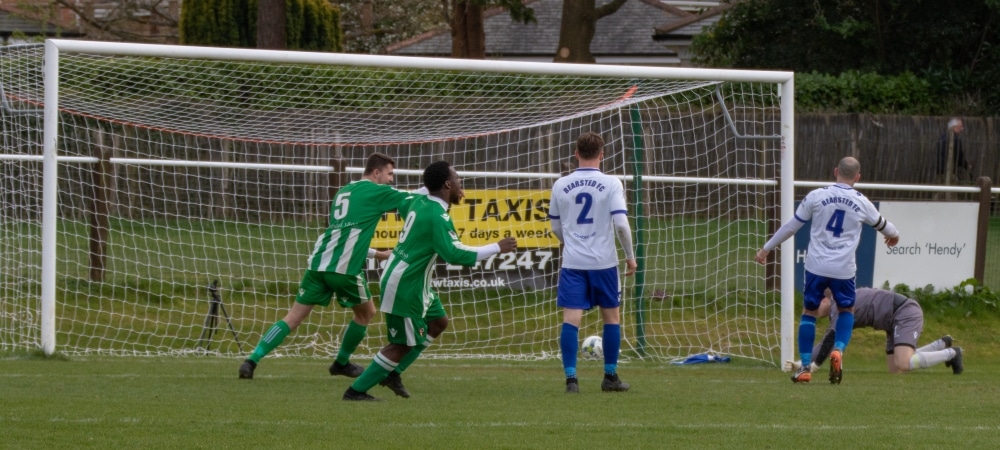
(336, 266)
(413, 313)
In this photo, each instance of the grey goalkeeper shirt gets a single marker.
(873, 308)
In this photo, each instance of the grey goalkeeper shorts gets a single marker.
(907, 324)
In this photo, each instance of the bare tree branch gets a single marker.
(126, 20)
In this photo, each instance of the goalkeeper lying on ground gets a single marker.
(902, 320)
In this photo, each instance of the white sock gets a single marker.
(923, 360)
(933, 346)
(794, 366)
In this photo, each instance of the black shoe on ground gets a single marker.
(611, 383)
(349, 370)
(947, 341)
(354, 396)
(956, 362)
(395, 383)
(572, 386)
(246, 369)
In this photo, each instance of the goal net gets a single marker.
(164, 199)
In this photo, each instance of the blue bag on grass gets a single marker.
(703, 358)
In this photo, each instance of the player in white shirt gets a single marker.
(838, 213)
(587, 210)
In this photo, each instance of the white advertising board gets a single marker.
(937, 244)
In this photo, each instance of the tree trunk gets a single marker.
(579, 22)
(271, 32)
(468, 38)
(367, 18)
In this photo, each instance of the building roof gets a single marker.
(691, 25)
(625, 37)
(677, 32)
(14, 20)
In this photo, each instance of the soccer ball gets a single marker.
(593, 348)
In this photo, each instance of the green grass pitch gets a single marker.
(197, 402)
(124, 402)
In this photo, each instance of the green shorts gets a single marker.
(405, 330)
(412, 332)
(317, 288)
(435, 310)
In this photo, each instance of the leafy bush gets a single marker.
(859, 92)
(967, 299)
(312, 25)
(953, 50)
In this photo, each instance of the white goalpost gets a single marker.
(162, 200)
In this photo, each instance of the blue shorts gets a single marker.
(585, 289)
(815, 285)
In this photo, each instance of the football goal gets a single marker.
(163, 200)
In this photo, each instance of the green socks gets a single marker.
(374, 373)
(352, 338)
(270, 340)
(413, 354)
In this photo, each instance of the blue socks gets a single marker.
(807, 336)
(569, 344)
(569, 339)
(612, 342)
(845, 325)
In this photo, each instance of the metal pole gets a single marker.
(787, 195)
(50, 197)
(640, 247)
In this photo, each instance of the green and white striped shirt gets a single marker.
(354, 214)
(428, 232)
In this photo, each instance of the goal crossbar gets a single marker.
(412, 62)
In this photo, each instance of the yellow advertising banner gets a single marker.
(485, 216)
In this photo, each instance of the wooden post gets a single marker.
(99, 228)
(117, 144)
(325, 152)
(221, 210)
(132, 172)
(856, 134)
(337, 176)
(552, 155)
(772, 270)
(115, 207)
(983, 227)
(949, 165)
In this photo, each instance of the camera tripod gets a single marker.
(212, 318)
